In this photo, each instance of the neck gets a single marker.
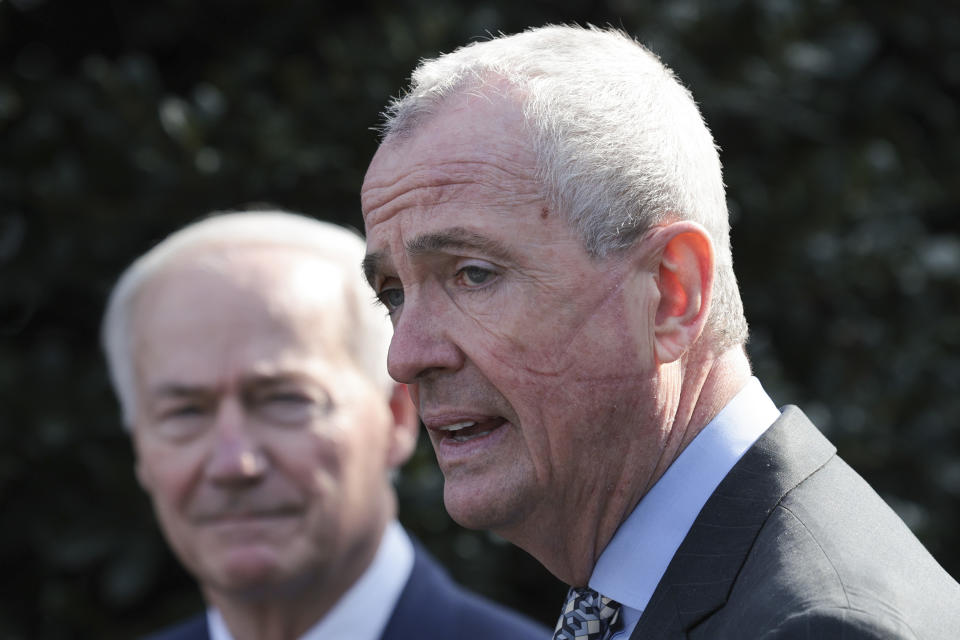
(687, 397)
(289, 610)
(703, 387)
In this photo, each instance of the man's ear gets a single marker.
(685, 283)
(406, 426)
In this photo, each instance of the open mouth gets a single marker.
(470, 429)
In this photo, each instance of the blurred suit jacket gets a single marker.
(431, 607)
(794, 544)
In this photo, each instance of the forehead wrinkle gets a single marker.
(269, 375)
(432, 183)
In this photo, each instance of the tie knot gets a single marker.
(587, 615)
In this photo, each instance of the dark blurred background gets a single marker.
(120, 121)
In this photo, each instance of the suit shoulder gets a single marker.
(482, 618)
(833, 555)
(434, 607)
(842, 622)
(194, 628)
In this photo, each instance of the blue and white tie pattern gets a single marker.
(587, 615)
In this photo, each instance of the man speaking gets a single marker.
(547, 227)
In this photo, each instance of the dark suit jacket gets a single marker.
(431, 607)
(794, 544)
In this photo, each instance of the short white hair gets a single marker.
(620, 143)
(370, 333)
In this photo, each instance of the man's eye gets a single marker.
(184, 411)
(473, 275)
(181, 422)
(287, 398)
(291, 408)
(392, 299)
(285, 407)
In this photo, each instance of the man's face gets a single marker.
(264, 448)
(529, 361)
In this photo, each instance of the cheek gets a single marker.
(569, 375)
(586, 340)
(334, 457)
(169, 476)
(311, 460)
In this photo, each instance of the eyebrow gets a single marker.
(458, 238)
(176, 390)
(371, 265)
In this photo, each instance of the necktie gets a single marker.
(587, 615)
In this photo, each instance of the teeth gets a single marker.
(459, 438)
(457, 426)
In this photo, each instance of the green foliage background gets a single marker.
(121, 121)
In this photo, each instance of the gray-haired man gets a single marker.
(250, 366)
(546, 224)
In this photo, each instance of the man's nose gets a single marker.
(236, 455)
(422, 343)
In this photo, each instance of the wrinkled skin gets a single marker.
(502, 318)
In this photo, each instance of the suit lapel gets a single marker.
(701, 574)
(428, 589)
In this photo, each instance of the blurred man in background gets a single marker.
(250, 367)
(547, 227)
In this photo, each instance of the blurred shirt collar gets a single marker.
(363, 611)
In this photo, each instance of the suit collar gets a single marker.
(429, 587)
(663, 517)
(703, 570)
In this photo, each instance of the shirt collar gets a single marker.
(364, 609)
(635, 560)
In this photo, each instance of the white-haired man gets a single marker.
(250, 366)
(546, 224)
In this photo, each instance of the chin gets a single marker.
(248, 570)
(494, 509)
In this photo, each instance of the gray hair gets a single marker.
(620, 143)
(339, 246)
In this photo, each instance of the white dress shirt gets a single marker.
(363, 611)
(633, 563)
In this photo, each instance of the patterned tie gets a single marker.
(587, 615)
